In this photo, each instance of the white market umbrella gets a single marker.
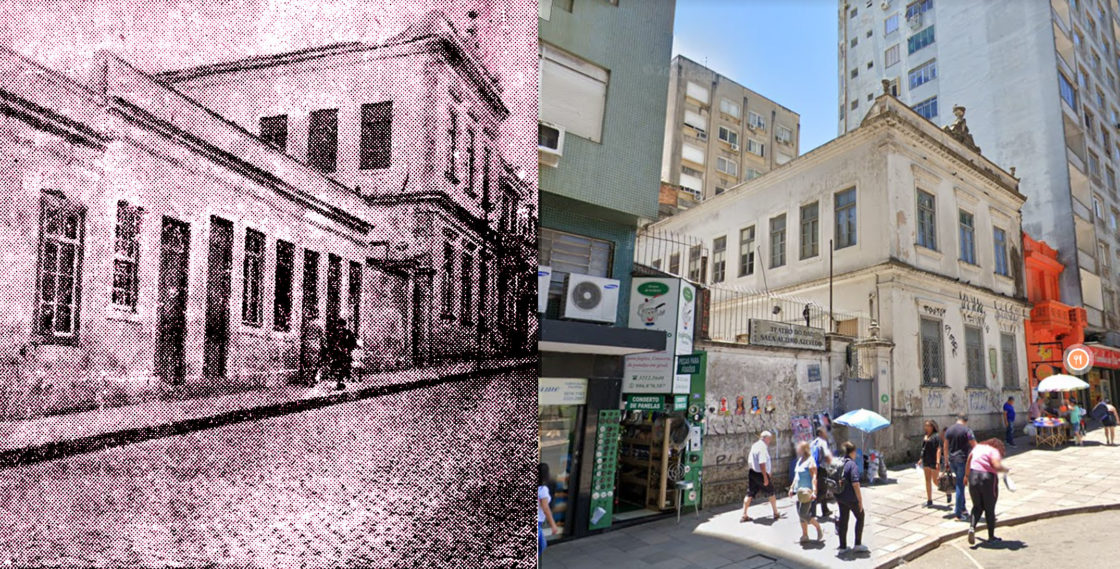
(865, 421)
(1061, 382)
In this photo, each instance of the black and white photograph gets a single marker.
(267, 283)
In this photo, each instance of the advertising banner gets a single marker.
(649, 373)
(668, 305)
(561, 391)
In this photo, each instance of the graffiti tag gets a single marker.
(952, 339)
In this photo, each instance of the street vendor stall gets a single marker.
(1055, 431)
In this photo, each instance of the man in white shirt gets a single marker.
(758, 479)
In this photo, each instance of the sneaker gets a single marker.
(971, 536)
(929, 503)
(861, 548)
(843, 550)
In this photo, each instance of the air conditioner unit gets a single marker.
(544, 280)
(885, 5)
(915, 21)
(590, 298)
(550, 143)
(734, 145)
(701, 135)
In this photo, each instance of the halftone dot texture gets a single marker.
(157, 435)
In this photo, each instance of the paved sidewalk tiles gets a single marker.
(898, 526)
(44, 438)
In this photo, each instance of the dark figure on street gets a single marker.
(850, 500)
(1009, 420)
(957, 443)
(822, 457)
(340, 344)
(982, 474)
(931, 457)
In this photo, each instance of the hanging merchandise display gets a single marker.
(603, 475)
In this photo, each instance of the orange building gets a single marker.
(1052, 326)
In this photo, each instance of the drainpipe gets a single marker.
(844, 63)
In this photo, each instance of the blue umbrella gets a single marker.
(864, 420)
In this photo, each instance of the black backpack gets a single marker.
(835, 477)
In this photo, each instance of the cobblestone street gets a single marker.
(419, 478)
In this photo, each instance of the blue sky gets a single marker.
(784, 50)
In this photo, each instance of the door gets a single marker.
(171, 332)
(311, 333)
(218, 288)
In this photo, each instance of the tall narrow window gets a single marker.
(675, 264)
(719, 259)
(355, 296)
(377, 136)
(322, 140)
(974, 354)
(470, 163)
(126, 255)
(252, 292)
(60, 270)
(933, 353)
(927, 220)
(274, 131)
(1009, 351)
(334, 286)
(1000, 240)
(486, 178)
(466, 288)
(810, 230)
(845, 218)
(452, 146)
(282, 309)
(310, 285)
(968, 238)
(484, 260)
(448, 276)
(695, 263)
(778, 241)
(746, 251)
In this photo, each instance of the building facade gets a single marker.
(904, 228)
(719, 133)
(1059, 130)
(599, 157)
(412, 126)
(159, 249)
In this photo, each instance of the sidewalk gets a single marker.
(23, 442)
(898, 526)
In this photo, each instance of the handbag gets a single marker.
(804, 495)
(946, 481)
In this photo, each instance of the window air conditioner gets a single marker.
(550, 143)
(590, 298)
(701, 135)
(885, 5)
(915, 21)
(544, 280)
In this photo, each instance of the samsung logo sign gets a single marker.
(543, 273)
(610, 286)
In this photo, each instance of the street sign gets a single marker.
(688, 364)
(1078, 359)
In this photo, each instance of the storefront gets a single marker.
(1104, 378)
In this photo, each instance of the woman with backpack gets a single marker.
(850, 500)
(805, 488)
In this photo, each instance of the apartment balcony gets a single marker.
(1057, 317)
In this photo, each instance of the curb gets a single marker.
(933, 543)
(93, 443)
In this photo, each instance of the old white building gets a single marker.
(921, 237)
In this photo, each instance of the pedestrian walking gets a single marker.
(957, 443)
(1106, 414)
(930, 462)
(982, 474)
(1076, 412)
(1009, 420)
(1035, 410)
(759, 482)
(850, 500)
(822, 457)
(544, 509)
(340, 344)
(805, 488)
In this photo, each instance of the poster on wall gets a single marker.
(802, 429)
(649, 373)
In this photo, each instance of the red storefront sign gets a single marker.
(1105, 357)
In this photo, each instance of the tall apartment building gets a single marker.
(599, 160)
(719, 133)
(1039, 82)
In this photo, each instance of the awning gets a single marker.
(1104, 356)
(584, 338)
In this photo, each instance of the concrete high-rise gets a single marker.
(719, 133)
(1039, 81)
